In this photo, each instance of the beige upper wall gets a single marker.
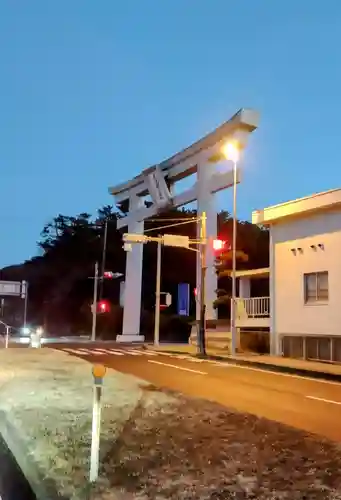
(319, 202)
(292, 315)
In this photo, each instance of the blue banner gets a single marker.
(183, 299)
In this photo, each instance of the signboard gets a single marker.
(175, 240)
(157, 187)
(10, 288)
(183, 299)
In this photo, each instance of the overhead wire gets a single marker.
(172, 225)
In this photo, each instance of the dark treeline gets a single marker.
(60, 288)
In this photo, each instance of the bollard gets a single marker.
(98, 373)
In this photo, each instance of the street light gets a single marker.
(231, 151)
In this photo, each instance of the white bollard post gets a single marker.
(98, 373)
(7, 337)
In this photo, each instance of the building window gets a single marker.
(316, 287)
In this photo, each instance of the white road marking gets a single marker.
(324, 400)
(176, 367)
(220, 363)
(149, 353)
(270, 372)
(114, 351)
(72, 351)
(110, 351)
(169, 354)
(133, 352)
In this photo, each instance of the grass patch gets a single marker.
(155, 444)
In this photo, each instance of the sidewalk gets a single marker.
(314, 369)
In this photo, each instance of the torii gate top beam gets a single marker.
(244, 119)
(185, 163)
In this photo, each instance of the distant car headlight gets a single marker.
(26, 330)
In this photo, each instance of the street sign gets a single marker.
(175, 240)
(134, 238)
(183, 299)
(157, 187)
(165, 300)
(24, 286)
(11, 288)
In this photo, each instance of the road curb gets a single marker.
(302, 372)
(43, 488)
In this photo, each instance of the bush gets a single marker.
(173, 328)
(258, 342)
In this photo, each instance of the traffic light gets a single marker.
(218, 245)
(103, 306)
(110, 275)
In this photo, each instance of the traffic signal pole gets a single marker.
(202, 321)
(94, 304)
(104, 255)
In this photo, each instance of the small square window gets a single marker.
(316, 287)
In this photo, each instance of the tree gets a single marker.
(60, 288)
(252, 253)
(224, 270)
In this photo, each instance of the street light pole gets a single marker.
(234, 248)
(94, 304)
(157, 294)
(25, 283)
(202, 322)
(231, 152)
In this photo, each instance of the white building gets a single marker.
(303, 311)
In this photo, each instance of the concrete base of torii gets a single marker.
(128, 339)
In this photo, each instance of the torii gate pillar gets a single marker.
(133, 281)
(158, 181)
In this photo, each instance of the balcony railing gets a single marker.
(255, 307)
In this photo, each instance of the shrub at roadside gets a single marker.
(173, 328)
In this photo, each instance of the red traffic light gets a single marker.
(218, 245)
(103, 306)
(108, 274)
(195, 292)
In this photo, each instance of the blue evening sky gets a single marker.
(91, 92)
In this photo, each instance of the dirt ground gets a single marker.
(155, 444)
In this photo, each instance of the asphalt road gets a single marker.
(312, 405)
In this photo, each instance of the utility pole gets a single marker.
(25, 287)
(202, 323)
(94, 304)
(104, 255)
(158, 294)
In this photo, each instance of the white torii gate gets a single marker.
(158, 182)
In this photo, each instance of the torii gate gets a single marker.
(159, 181)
